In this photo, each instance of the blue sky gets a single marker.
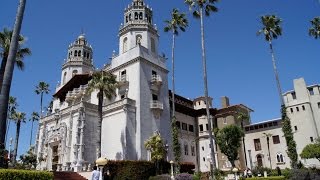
(239, 62)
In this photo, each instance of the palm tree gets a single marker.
(208, 6)
(271, 29)
(5, 40)
(106, 84)
(177, 21)
(34, 117)
(11, 109)
(268, 135)
(315, 29)
(244, 117)
(18, 117)
(7, 78)
(43, 87)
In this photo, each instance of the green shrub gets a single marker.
(302, 174)
(130, 170)
(13, 174)
(267, 178)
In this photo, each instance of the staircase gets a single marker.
(67, 176)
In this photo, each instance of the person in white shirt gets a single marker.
(95, 174)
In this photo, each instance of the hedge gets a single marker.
(140, 169)
(14, 174)
(130, 170)
(267, 178)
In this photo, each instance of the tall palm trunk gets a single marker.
(2, 68)
(173, 85)
(5, 91)
(100, 99)
(31, 133)
(205, 80)
(8, 124)
(16, 142)
(276, 73)
(41, 98)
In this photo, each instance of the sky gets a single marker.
(238, 61)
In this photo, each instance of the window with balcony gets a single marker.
(303, 108)
(291, 109)
(311, 139)
(207, 127)
(257, 144)
(297, 109)
(123, 76)
(295, 128)
(276, 139)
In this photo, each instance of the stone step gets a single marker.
(67, 176)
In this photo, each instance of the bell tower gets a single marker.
(137, 28)
(79, 59)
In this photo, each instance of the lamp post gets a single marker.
(101, 162)
(235, 170)
(171, 163)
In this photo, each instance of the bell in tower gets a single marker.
(138, 29)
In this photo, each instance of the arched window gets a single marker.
(130, 17)
(259, 160)
(136, 15)
(75, 53)
(153, 45)
(125, 44)
(64, 78)
(138, 39)
(88, 55)
(74, 72)
(280, 158)
(186, 149)
(79, 53)
(140, 15)
(84, 54)
(126, 19)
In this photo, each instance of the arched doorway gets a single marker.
(259, 160)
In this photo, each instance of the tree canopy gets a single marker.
(311, 151)
(229, 141)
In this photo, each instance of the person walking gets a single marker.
(95, 174)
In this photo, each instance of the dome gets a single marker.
(81, 37)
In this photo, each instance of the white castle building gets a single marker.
(303, 109)
(67, 136)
